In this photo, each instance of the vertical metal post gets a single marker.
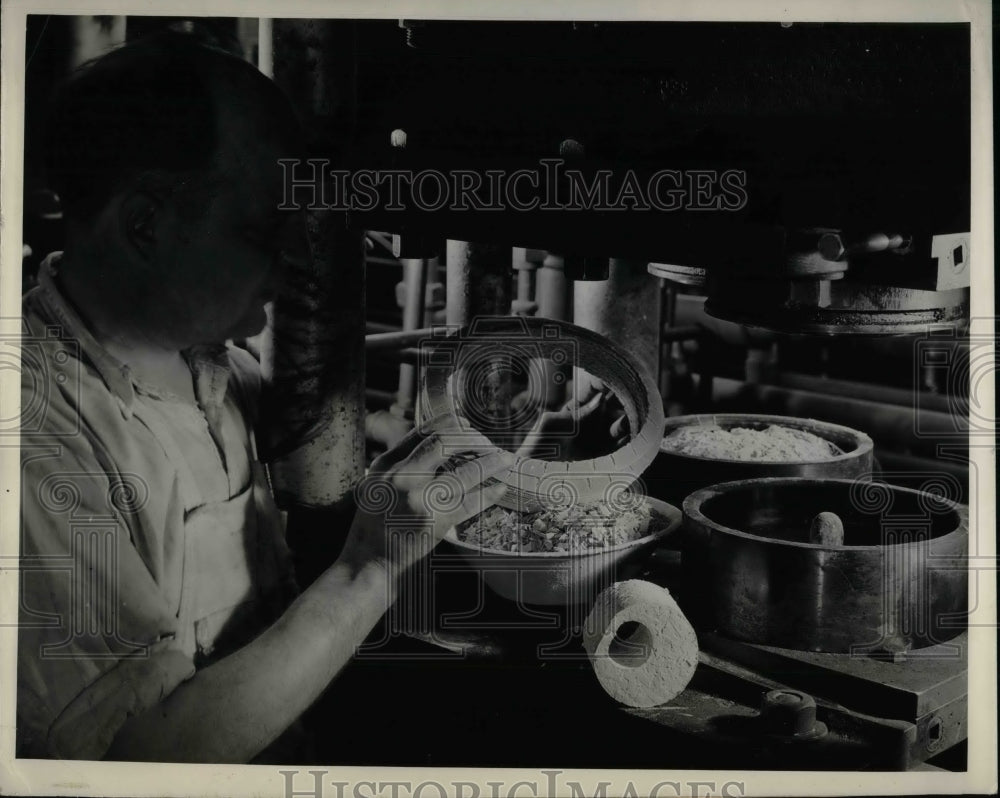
(479, 284)
(625, 308)
(552, 293)
(668, 310)
(413, 290)
(317, 424)
(525, 266)
(478, 281)
(265, 46)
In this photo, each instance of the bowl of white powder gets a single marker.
(702, 450)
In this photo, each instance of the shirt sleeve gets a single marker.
(97, 639)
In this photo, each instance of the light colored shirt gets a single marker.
(104, 511)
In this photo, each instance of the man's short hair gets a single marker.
(143, 108)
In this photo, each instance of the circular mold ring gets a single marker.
(451, 368)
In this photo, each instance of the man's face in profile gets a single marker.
(225, 263)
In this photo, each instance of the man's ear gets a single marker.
(138, 215)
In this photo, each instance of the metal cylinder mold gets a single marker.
(898, 582)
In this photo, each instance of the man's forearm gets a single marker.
(233, 709)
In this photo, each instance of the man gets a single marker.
(155, 618)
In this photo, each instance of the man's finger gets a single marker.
(620, 428)
(441, 445)
(485, 467)
(589, 406)
(399, 452)
(472, 504)
(467, 468)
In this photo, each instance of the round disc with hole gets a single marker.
(456, 383)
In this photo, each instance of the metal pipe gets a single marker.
(524, 266)
(552, 294)
(399, 339)
(900, 428)
(316, 434)
(479, 284)
(414, 290)
(668, 312)
(625, 308)
(552, 289)
(265, 46)
(861, 390)
(478, 281)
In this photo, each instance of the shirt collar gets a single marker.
(208, 362)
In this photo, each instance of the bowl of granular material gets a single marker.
(702, 450)
(563, 554)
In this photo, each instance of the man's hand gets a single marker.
(414, 493)
(592, 422)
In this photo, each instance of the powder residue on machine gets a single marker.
(772, 443)
(577, 528)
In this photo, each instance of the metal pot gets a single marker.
(899, 580)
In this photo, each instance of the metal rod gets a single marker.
(396, 340)
(903, 428)
(265, 46)
(552, 288)
(414, 300)
(860, 390)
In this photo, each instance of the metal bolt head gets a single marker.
(788, 712)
